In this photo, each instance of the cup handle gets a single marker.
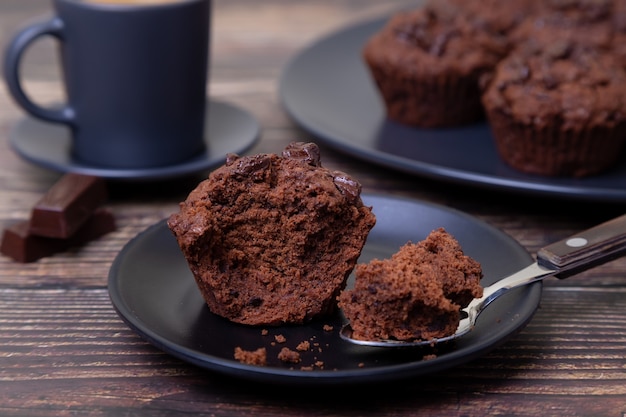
(13, 56)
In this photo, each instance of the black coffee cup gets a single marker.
(135, 75)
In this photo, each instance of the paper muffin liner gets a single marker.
(554, 151)
(428, 100)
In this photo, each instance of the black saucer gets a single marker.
(229, 130)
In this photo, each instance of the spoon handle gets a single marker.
(586, 249)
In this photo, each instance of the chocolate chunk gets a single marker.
(350, 188)
(253, 166)
(67, 205)
(306, 152)
(19, 244)
(231, 158)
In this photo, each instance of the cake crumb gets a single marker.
(251, 357)
(328, 328)
(280, 338)
(433, 278)
(288, 355)
(303, 346)
(361, 365)
(429, 357)
(264, 332)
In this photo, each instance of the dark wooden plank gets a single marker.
(74, 350)
(65, 352)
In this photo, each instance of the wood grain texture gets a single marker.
(65, 352)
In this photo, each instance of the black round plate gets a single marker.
(154, 292)
(327, 90)
(229, 130)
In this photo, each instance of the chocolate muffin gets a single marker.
(417, 294)
(618, 24)
(584, 22)
(427, 64)
(497, 16)
(271, 239)
(558, 109)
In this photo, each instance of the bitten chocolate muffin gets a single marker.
(417, 294)
(271, 239)
(427, 64)
(558, 108)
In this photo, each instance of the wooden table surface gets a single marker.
(65, 352)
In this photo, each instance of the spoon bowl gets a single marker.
(562, 259)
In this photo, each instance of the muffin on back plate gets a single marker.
(585, 22)
(558, 108)
(618, 24)
(416, 294)
(427, 63)
(271, 239)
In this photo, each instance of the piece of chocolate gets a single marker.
(19, 244)
(67, 205)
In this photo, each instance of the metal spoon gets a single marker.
(562, 259)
